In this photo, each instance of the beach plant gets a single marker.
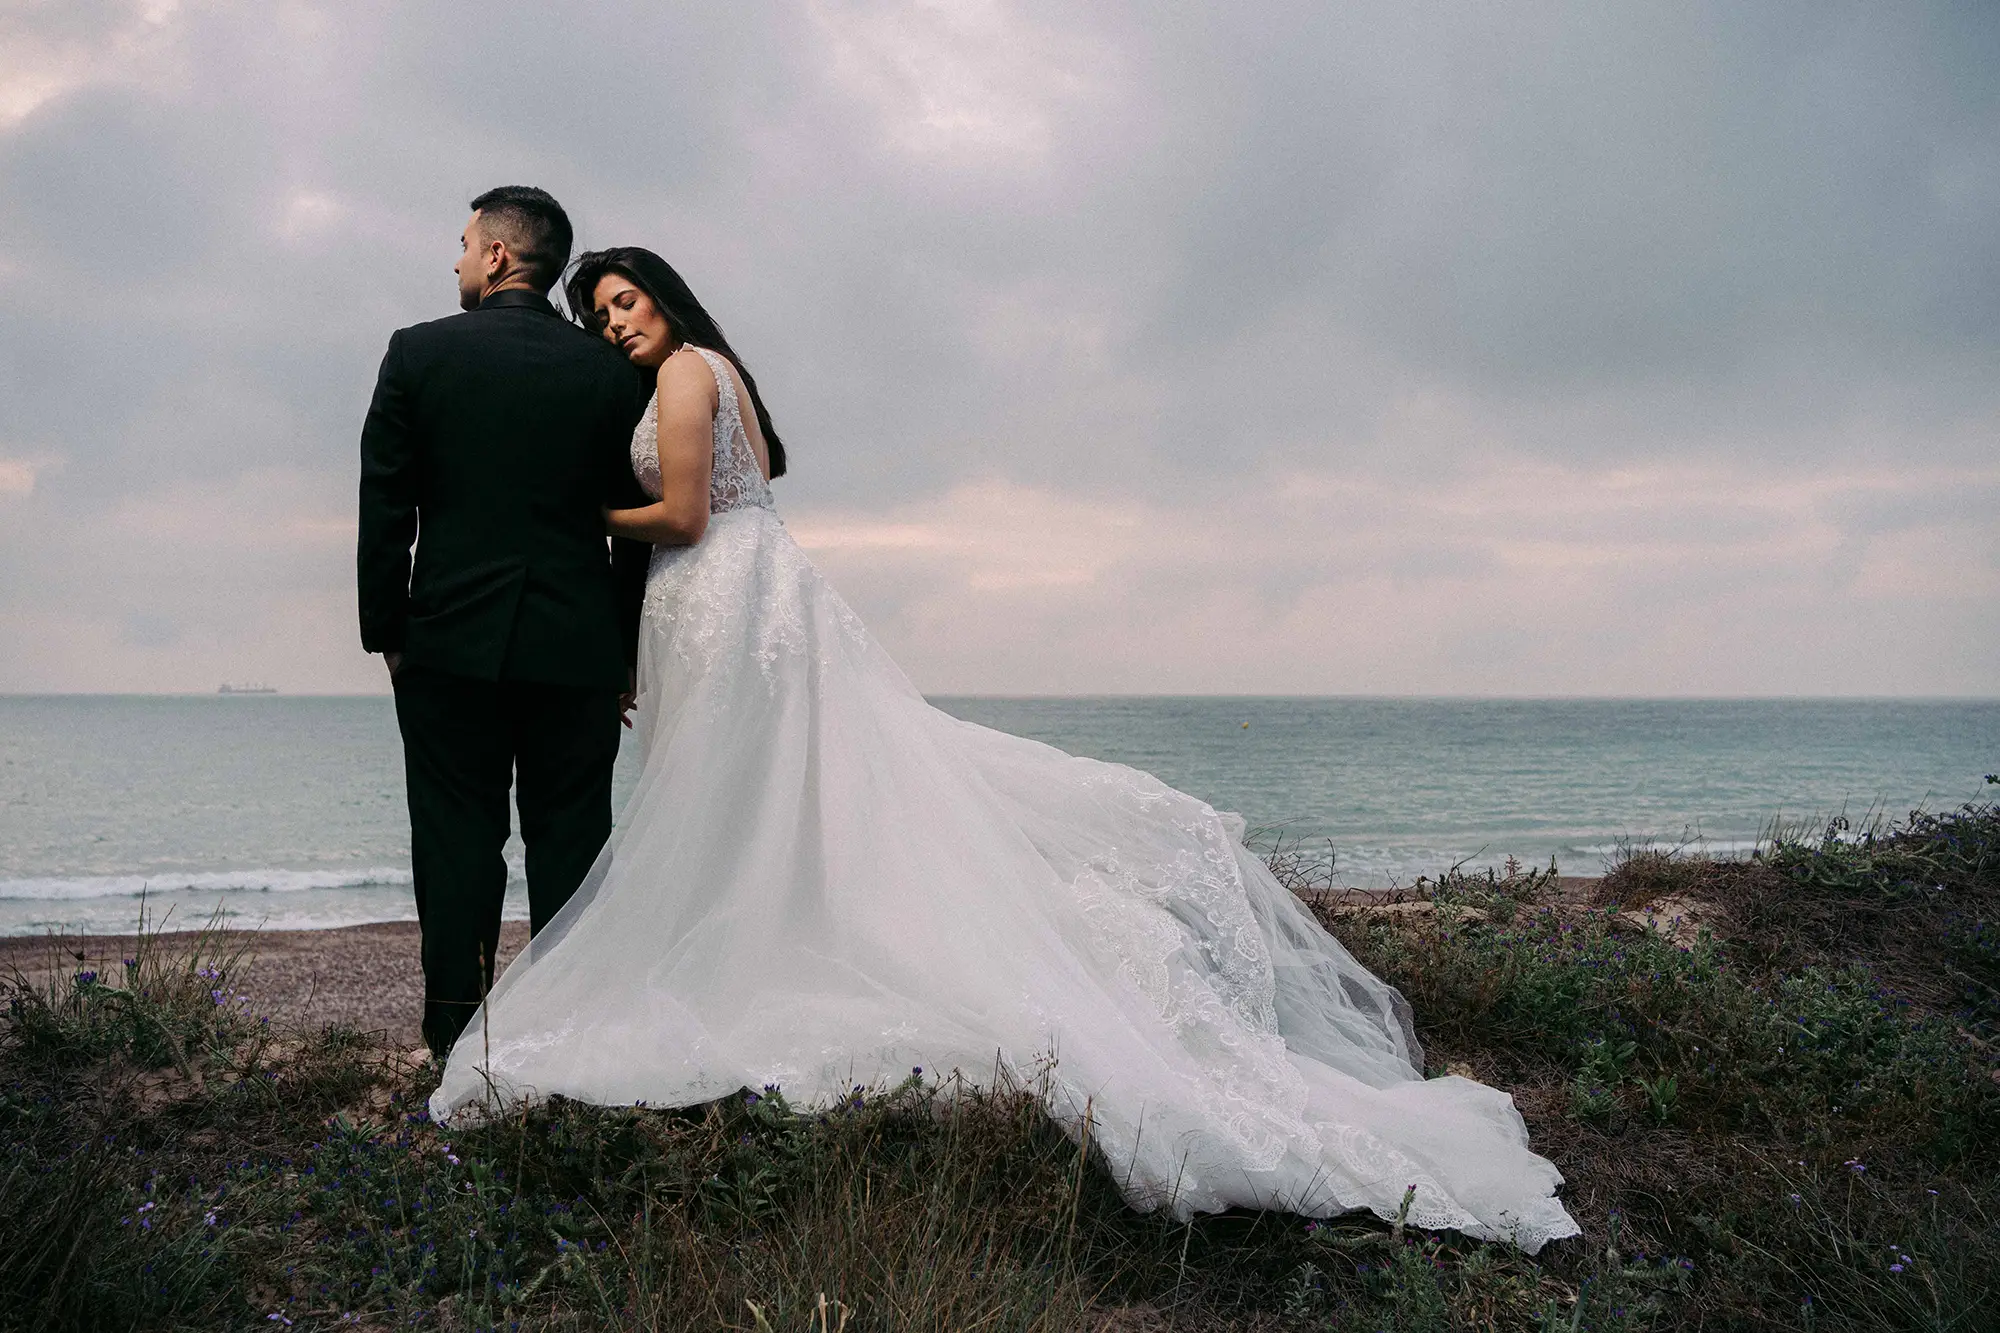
(1662, 1097)
(156, 1008)
(98, 1220)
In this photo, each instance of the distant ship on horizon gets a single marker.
(247, 689)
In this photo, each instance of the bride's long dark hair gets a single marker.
(686, 318)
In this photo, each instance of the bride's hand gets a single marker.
(663, 523)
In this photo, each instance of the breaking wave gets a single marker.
(81, 888)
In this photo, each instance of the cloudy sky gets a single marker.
(1315, 347)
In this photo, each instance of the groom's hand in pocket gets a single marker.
(394, 661)
(629, 700)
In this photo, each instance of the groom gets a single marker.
(494, 441)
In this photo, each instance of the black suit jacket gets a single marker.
(494, 440)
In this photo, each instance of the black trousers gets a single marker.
(465, 742)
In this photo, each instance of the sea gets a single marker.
(287, 812)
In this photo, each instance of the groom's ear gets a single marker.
(492, 249)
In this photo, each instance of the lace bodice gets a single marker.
(736, 482)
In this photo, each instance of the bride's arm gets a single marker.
(687, 455)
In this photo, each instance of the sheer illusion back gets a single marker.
(737, 481)
(822, 881)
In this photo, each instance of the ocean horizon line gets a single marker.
(281, 693)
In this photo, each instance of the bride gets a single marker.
(822, 882)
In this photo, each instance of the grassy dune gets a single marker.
(1774, 1096)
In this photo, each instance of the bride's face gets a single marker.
(631, 322)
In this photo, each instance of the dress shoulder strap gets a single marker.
(725, 384)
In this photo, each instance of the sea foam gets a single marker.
(79, 888)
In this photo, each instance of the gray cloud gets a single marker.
(1129, 255)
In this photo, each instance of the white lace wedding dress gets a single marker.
(822, 881)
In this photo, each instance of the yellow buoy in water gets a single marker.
(1246, 726)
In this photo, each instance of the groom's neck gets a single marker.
(511, 283)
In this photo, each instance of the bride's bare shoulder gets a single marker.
(685, 377)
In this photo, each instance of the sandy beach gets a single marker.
(368, 977)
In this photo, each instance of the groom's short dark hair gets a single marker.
(534, 226)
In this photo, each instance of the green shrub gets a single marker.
(160, 1009)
